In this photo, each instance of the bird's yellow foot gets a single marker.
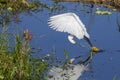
(94, 49)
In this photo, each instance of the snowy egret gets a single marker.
(70, 23)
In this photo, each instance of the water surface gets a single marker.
(103, 30)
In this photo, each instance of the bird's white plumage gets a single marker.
(70, 23)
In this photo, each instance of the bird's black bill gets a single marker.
(89, 42)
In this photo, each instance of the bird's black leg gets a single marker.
(89, 42)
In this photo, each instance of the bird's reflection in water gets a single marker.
(71, 70)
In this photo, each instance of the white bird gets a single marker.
(70, 23)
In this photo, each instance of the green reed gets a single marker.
(15, 60)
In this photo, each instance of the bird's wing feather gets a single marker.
(70, 23)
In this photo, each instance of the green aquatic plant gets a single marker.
(10, 9)
(114, 77)
(99, 12)
(16, 63)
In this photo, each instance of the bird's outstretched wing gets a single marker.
(70, 23)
